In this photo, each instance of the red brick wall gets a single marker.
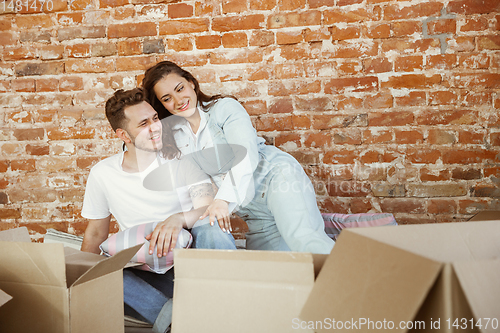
(390, 106)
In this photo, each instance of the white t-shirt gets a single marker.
(110, 190)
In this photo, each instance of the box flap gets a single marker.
(274, 267)
(15, 235)
(364, 278)
(445, 242)
(108, 265)
(4, 297)
(490, 215)
(480, 283)
(40, 264)
(78, 262)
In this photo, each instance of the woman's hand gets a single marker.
(164, 237)
(219, 209)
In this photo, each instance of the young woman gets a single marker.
(265, 186)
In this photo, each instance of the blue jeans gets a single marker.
(145, 294)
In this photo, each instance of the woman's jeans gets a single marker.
(146, 293)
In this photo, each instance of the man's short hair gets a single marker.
(116, 104)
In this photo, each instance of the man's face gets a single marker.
(143, 127)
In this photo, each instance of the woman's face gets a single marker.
(177, 95)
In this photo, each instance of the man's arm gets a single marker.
(97, 232)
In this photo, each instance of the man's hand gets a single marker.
(219, 209)
(164, 237)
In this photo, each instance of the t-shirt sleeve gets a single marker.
(95, 204)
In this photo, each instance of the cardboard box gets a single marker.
(239, 291)
(57, 289)
(432, 278)
(4, 297)
(487, 215)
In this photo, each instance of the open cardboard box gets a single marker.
(433, 277)
(239, 291)
(57, 289)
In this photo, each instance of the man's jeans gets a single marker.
(146, 293)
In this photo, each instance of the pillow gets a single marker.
(334, 222)
(137, 235)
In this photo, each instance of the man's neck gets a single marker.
(136, 160)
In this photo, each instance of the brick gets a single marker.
(5, 24)
(321, 3)
(469, 7)
(6, 69)
(375, 135)
(348, 2)
(185, 60)
(18, 117)
(411, 46)
(408, 136)
(23, 165)
(471, 137)
(261, 38)
(396, 12)
(489, 42)
(343, 85)
(10, 100)
(495, 139)
(29, 134)
(377, 30)
(23, 85)
(70, 18)
(37, 149)
(408, 63)
(229, 24)
(410, 81)
(488, 172)
(233, 6)
(282, 20)
(287, 142)
(112, 3)
(7, 38)
(472, 206)
(348, 189)
(203, 8)
(405, 28)
(397, 118)
(255, 108)
(441, 137)
(347, 137)
(36, 195)
(236, 56)
(289, 37)
(423, 155)
(442, 26)
(379, 101)
(461, 44)
(466, 173)
(471, 98)
(19, 53)
(316, 35)
(78, 50)
(313, 104)
(70, 83)
(413, 98)
(340, 157)
(345, 49)
(402, 205)
(35, 36)
(274, 123)
(4, 199)
(51, 52)
(70, 133)
(301, 51)
(262, 4)
(442, 206)
(359, 206)
(288, 70)
(443, 98)
(103, 49)
(82, 5)
(179, 10)
(288, 87)
(180, 44)
(474, 61)
(91, 98)
(434, 174)
(441, 61)
(234, 40)
(12, 149)
(94, 65)
(47, 85)
(318, 140)
(123, 13)
(173, 27)
(469, 156)
(473, 24)
(9, 214)
(131, 30)
(334, 16)
(5, 86)
(285, 5)
(81, 32)
(129, 47)
(344, 33)
(300, 122)
(486, 190)
(208, 42)
(377, 65)
(282, 105)
(388, 190)
(47, 99)
(447, 117)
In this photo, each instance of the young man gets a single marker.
(115, 187)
